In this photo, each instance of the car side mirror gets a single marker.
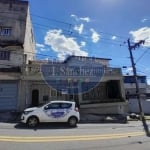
(46, 107)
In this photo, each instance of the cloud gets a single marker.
(40, 45)
(43, 49)
(113, 37)
(79, 28)
(46, 58)
(144, 20)
(75, 17)
(86, 19)
(148, 81)
(83, 44)
(142, 34)
(63, 45)
(95, 36)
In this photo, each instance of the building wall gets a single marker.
(19, 41)
(29, 42)
(130, 87)
(109, 89)
(13, 15)
(17, 47)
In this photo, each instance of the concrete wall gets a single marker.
(20, 43)
(29, 42)
(13, 15)
(134, 106)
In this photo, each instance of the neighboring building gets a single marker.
(148, 91)
(17, 47)
(131, 95)
(55, 83)
(130, 87)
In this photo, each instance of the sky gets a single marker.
(94, 28)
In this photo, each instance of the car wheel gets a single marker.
(72, 121)
(32, 121)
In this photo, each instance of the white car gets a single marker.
(55, 111)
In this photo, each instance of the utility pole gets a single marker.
(131, 47)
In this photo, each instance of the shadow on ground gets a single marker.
(43, 126)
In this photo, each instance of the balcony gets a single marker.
(34, 70)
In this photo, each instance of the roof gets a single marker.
(61, 101)
(133, 76)
(14, 1)
(70, 57)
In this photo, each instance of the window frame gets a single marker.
(4, 55)
(5, 31)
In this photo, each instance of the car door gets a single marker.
(50, 112)
(64, 111)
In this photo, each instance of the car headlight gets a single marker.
(27, 112)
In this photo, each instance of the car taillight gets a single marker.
(76, 109)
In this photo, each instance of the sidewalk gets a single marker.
(14, 117)
(10, 117)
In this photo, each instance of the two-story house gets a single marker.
(96, 87)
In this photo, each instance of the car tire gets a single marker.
(32, 121)
(72, 121)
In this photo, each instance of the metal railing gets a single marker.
(32, 69)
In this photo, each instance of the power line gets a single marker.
(130, 47)
(115, 42)
(141, 56)
(68, 31)
(50, 19)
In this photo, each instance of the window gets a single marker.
(65, 105)
(4, 55)
(53, 106)
(5, 31)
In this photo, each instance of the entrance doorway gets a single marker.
(35, 98)
(113, 89)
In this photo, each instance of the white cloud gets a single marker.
(79, 28)
(83, 43)
(75, 17)
(62, 45)
(43, 49)
(86, 19)
(144, 20)
(46, 59)
(113, 37)
(40, 45)
(95, 36)
(148, 81)
(142, 34)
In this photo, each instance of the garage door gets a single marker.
(8, 96)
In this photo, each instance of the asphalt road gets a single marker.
(94, 136)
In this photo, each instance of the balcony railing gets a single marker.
(112, 71)
(35, 69)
